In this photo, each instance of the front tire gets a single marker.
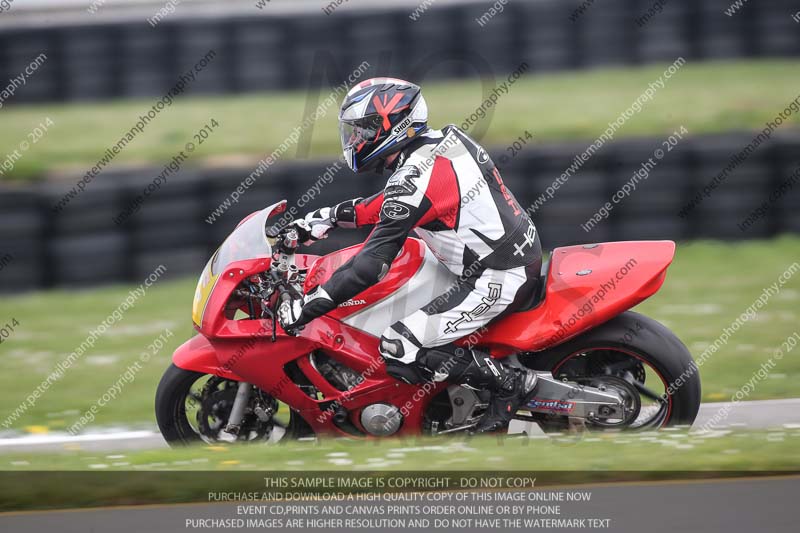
(171, 408)
(644, 342)
(175, 389)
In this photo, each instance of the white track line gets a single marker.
(761, 414)
(63, 439)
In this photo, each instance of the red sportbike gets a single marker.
(243, 377)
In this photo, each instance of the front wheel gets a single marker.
(640, 351)
(194, 407)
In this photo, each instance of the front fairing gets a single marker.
(248, 241)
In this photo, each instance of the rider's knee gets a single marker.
(401, 355)
(391, 348)
(397, 342)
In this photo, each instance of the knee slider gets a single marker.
(391, 347)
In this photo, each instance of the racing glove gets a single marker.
(318, 223)
(295, 313)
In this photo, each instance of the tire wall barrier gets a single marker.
(266, 51)
(82, 245)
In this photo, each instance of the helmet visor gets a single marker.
(356, 134)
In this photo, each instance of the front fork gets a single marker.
(237, 411)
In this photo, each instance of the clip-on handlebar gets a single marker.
(283, 271)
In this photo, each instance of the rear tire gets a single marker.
(645, 339)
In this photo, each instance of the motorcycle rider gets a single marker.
(484, 238)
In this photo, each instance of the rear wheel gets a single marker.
(633, 355)
(194, 407)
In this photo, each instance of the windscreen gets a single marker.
(248, 241)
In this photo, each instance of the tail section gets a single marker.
(586, 286)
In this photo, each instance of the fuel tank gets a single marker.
(415, 278)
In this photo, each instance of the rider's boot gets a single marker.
(511, 388)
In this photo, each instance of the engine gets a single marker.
(381, 419)
(337, 374)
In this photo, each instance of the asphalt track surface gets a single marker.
(765, 414)
(729, 506)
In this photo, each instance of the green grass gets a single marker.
(665, 450)
(704, 97)
(552, 461)
(708, 287)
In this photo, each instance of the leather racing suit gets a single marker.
(446, 188)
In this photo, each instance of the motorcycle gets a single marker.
(243, 377)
